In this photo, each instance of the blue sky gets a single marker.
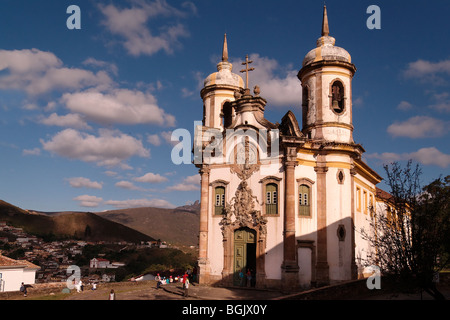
(68, 137)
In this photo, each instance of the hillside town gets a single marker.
(51, 260)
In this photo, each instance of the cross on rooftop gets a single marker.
(247, 70)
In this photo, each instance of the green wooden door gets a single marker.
(244, 252)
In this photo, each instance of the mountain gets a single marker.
(178, 226)
(80, 225)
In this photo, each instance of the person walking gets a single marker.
(158, 281)
(241, 278)
(23, 289)
(249, 277)
(186, 287)
(185, 277)
(112, 295)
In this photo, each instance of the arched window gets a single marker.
(227, 113)
(271, 198)
(337, 97)
(305, 105)
(219, 200)
(304, 201)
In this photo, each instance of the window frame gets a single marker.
(214, 185)
(358, 198)
(308, 183)
(270, 180)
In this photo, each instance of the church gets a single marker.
(282, 200)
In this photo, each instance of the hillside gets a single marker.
(178, 226)
(80, 225)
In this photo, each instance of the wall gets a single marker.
(12, 279)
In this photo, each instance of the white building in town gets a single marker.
(14, 272)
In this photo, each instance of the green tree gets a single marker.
(87, 232)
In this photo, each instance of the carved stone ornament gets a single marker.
(246, 161)
(240, 211)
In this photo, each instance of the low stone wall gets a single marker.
(351, 290)
(57, 287)
(354, 290)
(42, 288)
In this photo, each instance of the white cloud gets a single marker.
(419, 127)
(121, 106)
(167, 137)
(441, 102)
(110, 148)
(110, 173)
(429, 72)
(136, 203)
(71, 120)
(131, 24)
(31, 152)
(154, 139)
(183, 187)
(101, 64)
(38, 72)
(404, 106)
(279, 85)
(190, 183)
(426, 156)
(127, 185)
(26, 61)
(195, 179)
(81, 182)
(421, 68)
(151, 178)
(88, 201)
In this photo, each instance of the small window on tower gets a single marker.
(337, 97)
(227, 113)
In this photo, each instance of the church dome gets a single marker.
(224, 76)
(326, 50)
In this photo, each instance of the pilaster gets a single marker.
(203, 261)
(322, 268)
(289, 277)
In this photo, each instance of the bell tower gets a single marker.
(218, 91)
(326, 78)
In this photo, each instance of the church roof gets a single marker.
(224, 74)
(326, 49)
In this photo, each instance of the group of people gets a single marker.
(80, 286)
(247, 279)
(185, 280)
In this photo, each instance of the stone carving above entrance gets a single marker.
(241, 212)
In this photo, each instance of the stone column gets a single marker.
(289, 277)
(203, 261)
(322, 268)
(354, 267)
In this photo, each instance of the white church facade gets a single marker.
(284, 200)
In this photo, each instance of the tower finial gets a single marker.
(225, 49)
(325, 27)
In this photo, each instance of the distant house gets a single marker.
(14, 272)
(99, 263)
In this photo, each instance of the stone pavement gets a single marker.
(174, 291)
(217, 293)
(146, 290)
